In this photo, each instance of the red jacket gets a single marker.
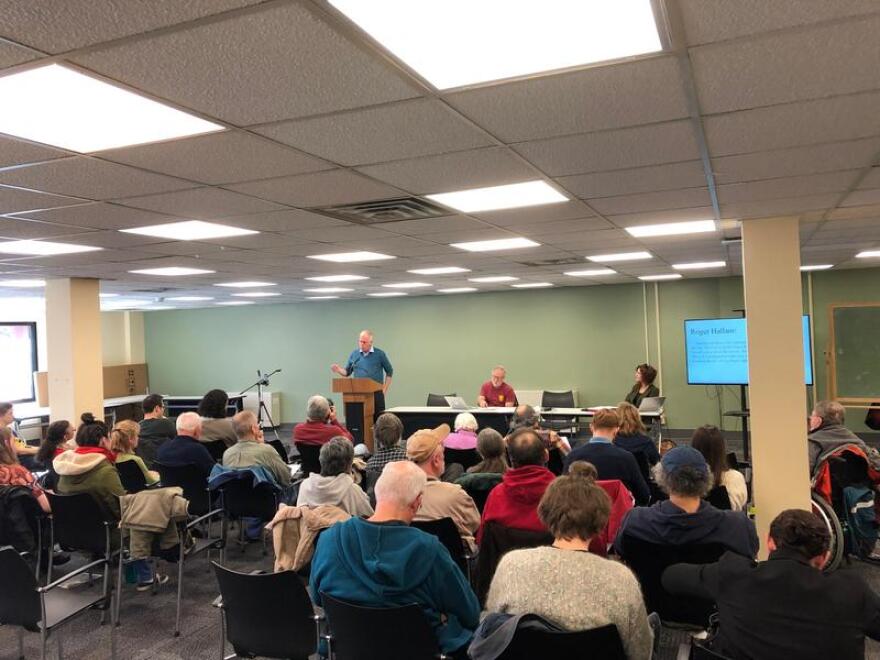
(514, 502)
(319, 433)
(621, 503)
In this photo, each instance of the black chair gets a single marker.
(649, 560)
(480, 492)
(350, 625)
(278, 446)
(131, 476)
(241, 498)
(447, 533)
(193, 482)
(495, 542)
(558, 400)
(43, 609)
(77, 523)
(439, 400)
(308, 456)
(464, 457)
(700, 651)
(23, 523)
(216, 449)
(267, 615)
(719, 498)
(601, 643)
(555, 462)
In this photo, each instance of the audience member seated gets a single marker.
(251, 449)
(632, 434)
(59, 438)
(709, 441)
(215, 424)
(493, 451)
(686, 518)
(526, 417)
(185, 448)
(465, 435)
(383, 562)
(827, 433)
(387, 442)
(335, 484)
(495, 393)
(156, 429)
(567, 584)
(644, 387)
(322, 424)
(514, 502)
(784, 607)
(442, 499)
(25, 452)
(124, 442)
(611, 462)
(12, 473)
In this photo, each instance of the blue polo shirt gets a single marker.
(373, 365)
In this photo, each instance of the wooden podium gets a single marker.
(357, 396)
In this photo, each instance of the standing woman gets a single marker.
(709, 441)
(644, 387)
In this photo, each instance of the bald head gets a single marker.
(190, 424)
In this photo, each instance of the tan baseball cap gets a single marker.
(424, 442)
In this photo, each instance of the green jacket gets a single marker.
(246, 453)
(92, 474)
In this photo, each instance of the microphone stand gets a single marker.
(263, 381)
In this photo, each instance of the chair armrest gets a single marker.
(217, 602)
(65, 578)
(192, 523)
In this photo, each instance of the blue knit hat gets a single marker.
(684, 457)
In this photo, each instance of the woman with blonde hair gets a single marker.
(123, 441)
(633, 436)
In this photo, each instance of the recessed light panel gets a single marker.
(491, 279)
(817, 267)
(496, 198)
(246, 285)
(407, 285)
(235, 303)
(322, 297)
(458, 289)
(256, 294)
(700, 265)
(60, 106)
(329, 289)
(620, 256)
(532, 285)
(24, 284)
(172, 271)
(337, 278)
(108, 295)
(190, 230)
(500, 244)
(868, 254)
(591, 272)
(659, 278)
(672, 228)
(442, 270)
(452, 43)
(190, 298)
(351, 257)
(388, 294)
(43, 248)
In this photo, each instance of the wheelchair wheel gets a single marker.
(825, 513)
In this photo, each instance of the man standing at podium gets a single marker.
(367, 361)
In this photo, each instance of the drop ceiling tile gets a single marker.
(334, 234)
(201, 203)
(780, 68)
(318, 190)
(655, 201)
(18, 152)
(573, 208)
(872, 179)
(455, 171)
(372, 135)
(653, 217)
(612, 150)
(794, 124)
(796, 161)
(773, 207)
(640, 92)
(111, 239)
(862, 198)
(90, 178)
(226, 157)
(811, 184)
(670, 176)
(286, 220)
(867, 211)
(11, 54)
(558, 227)
(280, 62)
(15, 200)
(432, 225)
(20, 229)
(181, 248)
(99, 216)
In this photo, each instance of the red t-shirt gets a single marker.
(498, 397)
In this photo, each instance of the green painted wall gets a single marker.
(588, 338)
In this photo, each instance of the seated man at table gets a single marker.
(185, 448)
(495, 393)
(156, 429)
(383, 562)
(321, 424)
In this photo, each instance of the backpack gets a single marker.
(861, 523)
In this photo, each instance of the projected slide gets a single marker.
(18, 355)
(717, 351)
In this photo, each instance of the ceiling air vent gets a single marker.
(567, 261)
(386, 210)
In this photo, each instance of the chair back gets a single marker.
(268, 614)
(374, 633)
(496, 541)
(216, 449)
(719, 498)
(530, 642)
(464, 457)
(78, 523)
(439, 400)
(193, 483)
(278, 446)
(131, 476)
(21, 518)
(648, 561)
(555, 462)
(557, 399)
(479, 491)
(447, 533)
(242, 499)
(701, 651)
(308, 456)
(19, 601)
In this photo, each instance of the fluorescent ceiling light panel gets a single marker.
(407, 285)
(452, 43)
(190, 230)
(44, 248)
(329, 289)
(442, 270)
(172, 271)
(700, 265)
(499, 244)
(659, 278)
(620, 256)
(532, 285)
(351, 257)
(337, 278)
(159, 309)
(388, 294)
(235, 303)
(256, 294)
(817, 267)
(24, 284)
(493, 278)
(246, 285)
(108, 295)
(190, 298)
(124, 303)
(496, 198)
(591, 272)
(672, 228)
(458, 289)
(322, 297)
(867, 254)
(60, 106)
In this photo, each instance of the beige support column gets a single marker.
(135, 352)
(73, 343)
(772, 282)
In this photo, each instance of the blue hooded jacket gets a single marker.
(390, 565)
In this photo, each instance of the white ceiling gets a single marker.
(754, 109)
